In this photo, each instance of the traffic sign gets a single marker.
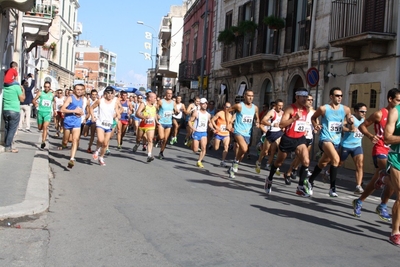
(312, 77)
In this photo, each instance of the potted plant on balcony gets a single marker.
(247, 27)
(274, 22)
(226, 36)
(53, 46)
(235, 30)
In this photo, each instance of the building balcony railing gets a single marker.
(22, 5)
(356, 23)
(37, 22)
(41, 10)
(163, 62)
(165, 29)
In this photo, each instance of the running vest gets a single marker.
(297, 128)
(106, 113)
(75, 103)
(244, 120)
(178, 107)
(59, 102)
(332, 124)
(201, 122)
(95, 111)
(394, 152)
(276, 119)
(45, 102)
(353, 139)
(125, 107)
(166, 111)
(221, 123)
(150, 111)
(380, 147)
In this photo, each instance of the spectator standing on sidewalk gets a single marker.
(26, 106)
(12, 96)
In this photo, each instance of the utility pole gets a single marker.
(203, 53)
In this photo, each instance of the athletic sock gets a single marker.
(317, 170)
(272, 172)
(302, 174)
(333, 174)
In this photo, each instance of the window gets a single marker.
(372, 100)
(228, 20)
(354, 95)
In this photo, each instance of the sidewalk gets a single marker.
(24, 177)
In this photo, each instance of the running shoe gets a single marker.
(135, 147)
(119, 147)
(380, 183)
(161, 155)
(258, 167)
(175, 139)
(357, 205)
(223, 164)
(267, 186)
(150, 158)
(71, 163)
(308, 187)
(101, 161)
(294, 174)
(171, 142)
(383, 213)
(199, 164)
(108, 152)
(278, 172)
(395, 239)
(144, 148)
(231, 173)
(235, 166)
(309, 174)
(332, 192)
(186, 142)
(359, 190)
(95, 155)
(42, 145)
(301, 191)
(287, 179)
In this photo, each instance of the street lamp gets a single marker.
(152, 62)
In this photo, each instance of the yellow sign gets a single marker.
(205, 82)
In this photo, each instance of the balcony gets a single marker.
(165, 29)
(36, 23)
(78, 28)
(22, 5)
(241, 61)
(357, 23)
(189, 70)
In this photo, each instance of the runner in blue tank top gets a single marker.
(167, 108)
(333, 117)
(246, 114)
(352, 144)
(73, 109)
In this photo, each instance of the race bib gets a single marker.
(300, 126)
(167, 114)
(223, 128)
(106, 124)
(358, 134)
(125, 110)
(247, 119)
(149, 121)
(46, 103)
(202, 123)
(335, 127)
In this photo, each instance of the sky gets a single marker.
(113, 24)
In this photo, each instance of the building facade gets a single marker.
(95, 66)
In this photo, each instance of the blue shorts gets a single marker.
(320, 145)
(246, 138)
(105, 130)
(137, 119)
(166, 126)
(273, 136)
(220, 137)
(346, 151)
(89, 122)
(376, 157)
(72, 122)
(198, 135)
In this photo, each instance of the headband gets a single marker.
(302, 93)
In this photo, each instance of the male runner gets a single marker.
(245, 113)
(379, 154)
(59, 117)
(45, 106)
(166, 108)
(177, 120)
(195, 105)
(123, 123)
(221, 133)
(90, 119)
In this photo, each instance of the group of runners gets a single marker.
(286, 130)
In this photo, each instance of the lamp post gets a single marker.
(152, 62)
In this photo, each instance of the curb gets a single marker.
(37, 192)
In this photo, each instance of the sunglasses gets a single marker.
(362, 111)
(310, 100)
(109, 93)
(339, 95)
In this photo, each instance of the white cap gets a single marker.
(203, 100)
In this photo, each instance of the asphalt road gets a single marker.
(171, 213)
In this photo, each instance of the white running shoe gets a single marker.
(223, 164)
(332, 192)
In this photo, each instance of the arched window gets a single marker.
(354, 95)
(372, 100)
